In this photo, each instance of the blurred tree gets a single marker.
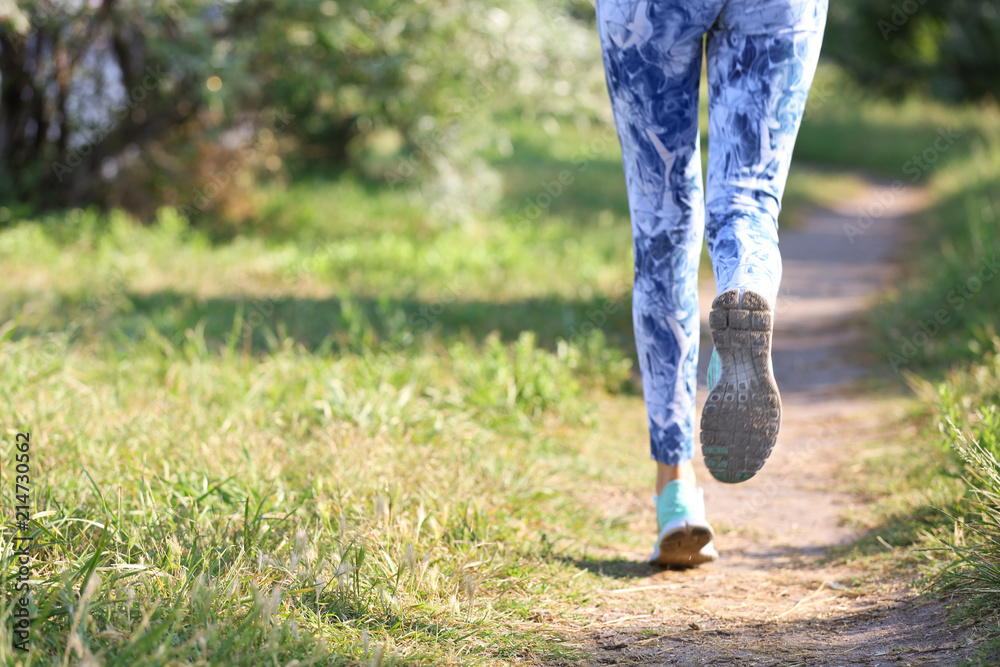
(138, 103)
(91, 90)
(948, 49)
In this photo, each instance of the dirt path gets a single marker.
(770, 600)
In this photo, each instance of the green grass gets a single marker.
(370, 434)
(844, 127)
(270, 444)
(236, 498)
(946, 314)
(351, 439)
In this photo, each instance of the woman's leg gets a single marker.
(652, 56)
(761, 59)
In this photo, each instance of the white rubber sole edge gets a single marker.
(684, 543)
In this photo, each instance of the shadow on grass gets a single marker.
(347, 324)
(579, 187)
(900, 530)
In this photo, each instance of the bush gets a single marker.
(132, 105)
(949, 49)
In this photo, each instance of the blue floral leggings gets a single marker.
(761, 60)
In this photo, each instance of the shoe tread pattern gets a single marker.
(741, 418)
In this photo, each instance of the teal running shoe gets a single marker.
(685, 535)
(715, 368)
(741, 418)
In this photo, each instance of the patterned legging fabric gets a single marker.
(761, 59)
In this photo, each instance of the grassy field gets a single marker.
(366, 436)
(285, 443)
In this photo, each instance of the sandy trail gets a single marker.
(770, 599)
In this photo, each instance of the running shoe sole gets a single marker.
(682, 544)
(740, 422)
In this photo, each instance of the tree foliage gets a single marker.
(86, 90)
(142, 102)
(948, 49)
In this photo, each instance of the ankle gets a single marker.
(666, 474)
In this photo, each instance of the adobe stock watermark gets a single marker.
(24, 21)
(203, 197)
(426, 147)
(418, 322)
(773, 484)
(108, 299)
(595, 319)
(115, 116)
(424, 318)
(915, 168)
(485, 89)
(900, 14)
(956, 299)
(535, 206)
(819, 95)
